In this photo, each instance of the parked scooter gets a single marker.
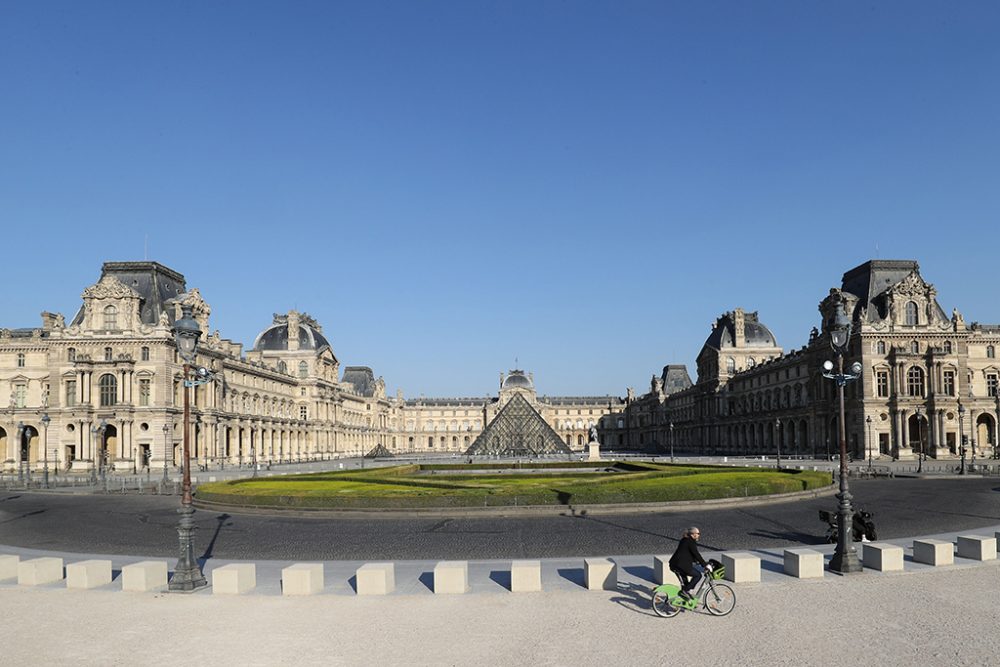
(862, 526)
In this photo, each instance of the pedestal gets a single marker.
(594, 449)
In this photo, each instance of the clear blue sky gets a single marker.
(448, 186)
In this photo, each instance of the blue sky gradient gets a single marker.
(448, 186)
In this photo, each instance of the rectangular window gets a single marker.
(303, 412)
(144, 391)
(70, 393)
(949, 383)
(20, 395)
(145, 354)
(991, 384)
(882, 383)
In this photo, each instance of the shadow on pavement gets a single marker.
(635, 597)
(501, 577)
(573, 574)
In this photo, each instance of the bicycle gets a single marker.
(716, 597)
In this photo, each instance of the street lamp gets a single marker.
(961, 437)
(45, 449)
(671, 442)
(187, 575)
(996, 428)
(868, 420)
(97, 433)
(777, 439)
(20, 452)
(166, 448)
(920, 441)
(845, 557)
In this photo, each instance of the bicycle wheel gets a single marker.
(720, 599)
(662, 606)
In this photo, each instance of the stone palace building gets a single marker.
(109, 382)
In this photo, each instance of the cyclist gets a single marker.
(684, 558)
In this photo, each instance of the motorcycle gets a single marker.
(862, 526)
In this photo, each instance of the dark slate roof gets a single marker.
(755, 334)
(595, 401)
(517, 378)
(155, 283)
(275, 337)
(449, 402)
(675, 378)
(871, 280)
(362, 378)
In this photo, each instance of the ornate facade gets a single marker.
(110, 384)
(919, 367)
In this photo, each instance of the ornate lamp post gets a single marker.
(45, 449)
(166, 448)
(845, 557)
(777, 439)
(671, 442)
(920, 441)
(996, 428)
(20, 452)
(187, 575)
(868, 420)
(961, 437)
(97, 433)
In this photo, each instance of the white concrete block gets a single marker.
(933, 552)
(661, 571)
(147, 575)
(88, 574)
(234, 579)
(451, 576)
(803, 563)
(977, 547)
(376, 579)
(882, 557)
(39, 571)
(600, 574)
(302, 579)
(741, 567)
(525, 576)
(8, 567)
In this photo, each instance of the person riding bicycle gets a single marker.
(684, 558)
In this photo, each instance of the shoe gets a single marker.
(686, 595)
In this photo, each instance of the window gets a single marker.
(730, 365)
(430, 441)
(144, 353)
(303, 412)
(303, 369)
(107, 354)
(915, 382)
(991, 352)
(70, 393)
(110, 317)
(882, 383)
(20, 395)
(991, 384)
(20, 359)
(108, 386)
(282, 367)
(71, 354)
(751, 362)
(144, 391)
(947, 347)
(880, 347)
(911, 313)
(949, 383)
(914, 347)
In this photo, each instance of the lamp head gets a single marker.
(186, 334)
(856, 368)
(840, 329)
(868, 419)
(46, 419)
(961, 409)
(827, 365)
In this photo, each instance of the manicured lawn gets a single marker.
(433, 486)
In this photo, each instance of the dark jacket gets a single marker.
(686, 556)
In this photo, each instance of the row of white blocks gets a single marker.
(452, 577)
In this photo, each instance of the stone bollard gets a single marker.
(302, 579)
(234, 579)
(8, 567)
(525, 576)
(39, 571)
(977, 547)
(375, 579)
(882, 557)
(741, 567)
(933, 552)
(600, 574)
(451, 576)
(88, 574)
(147, 575)
(803, 563)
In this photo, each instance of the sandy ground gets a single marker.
(944, 617)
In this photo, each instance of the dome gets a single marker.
(755, 333)
(517, 380)
(275, 337)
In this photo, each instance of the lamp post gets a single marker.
(777, 440)
(187, 575)
(253, 458)
(920, 441)
(996, 428)
(671, 442)
(868, 420)
(961, 437)
(45, 449)
(845, 557)
(97, 434)
(166, 448)
(20, 452)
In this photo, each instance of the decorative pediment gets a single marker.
(110, 287)
(913, 286)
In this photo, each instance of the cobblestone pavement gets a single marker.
(143, 525)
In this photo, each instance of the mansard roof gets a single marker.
(362, 378)
(755, 334)
(154, 283)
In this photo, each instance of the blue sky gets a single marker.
(448, 186)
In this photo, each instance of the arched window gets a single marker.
(303, 369)
(282, 367)
(880, 347)
(915, 382)
(730, 365)
(110, 317)
(915, 347)
(911, 313)
(991, 352)
(751, 362)
(71, 354)
(108, 385)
